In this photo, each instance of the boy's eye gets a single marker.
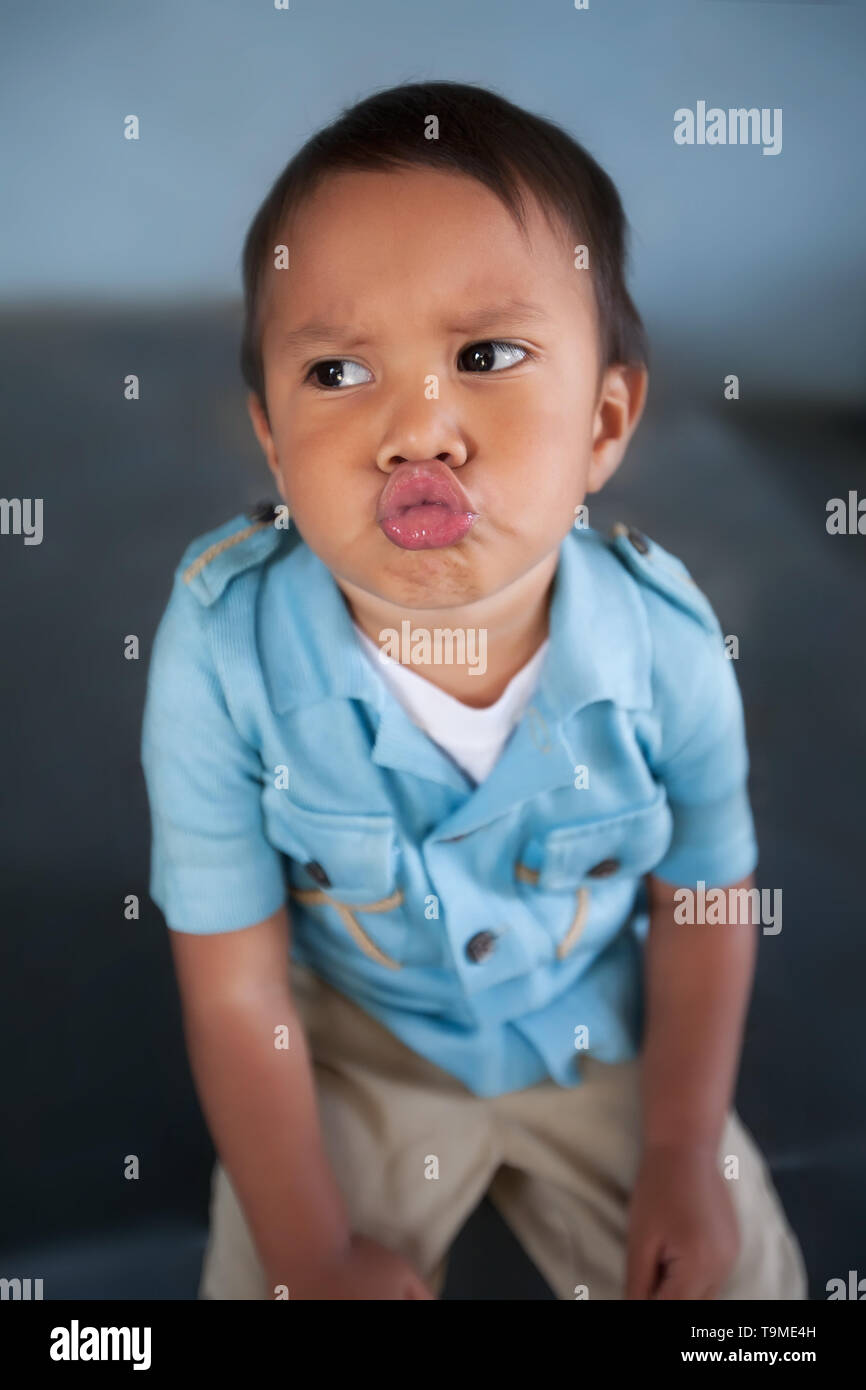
(330, 375)
(332, 369)
(482, 355)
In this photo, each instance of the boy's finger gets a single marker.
(678, 1282)
(418, 1289)
(642, 1269)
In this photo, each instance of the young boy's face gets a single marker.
(418, 272)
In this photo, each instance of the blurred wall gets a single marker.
(743, 262)
(122, 256)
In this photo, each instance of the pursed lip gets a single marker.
(428, 480)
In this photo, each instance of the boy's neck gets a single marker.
(507, 628)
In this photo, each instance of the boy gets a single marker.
(481, 853)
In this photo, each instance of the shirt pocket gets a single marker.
(594, 862)
(344, 870)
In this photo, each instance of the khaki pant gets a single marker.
(558, 1164)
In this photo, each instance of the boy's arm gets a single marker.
(698, 980)
(259, 1100)
(213, 871)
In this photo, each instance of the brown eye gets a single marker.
(481, 356)
(329, 374)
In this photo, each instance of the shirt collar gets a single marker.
(599, 635)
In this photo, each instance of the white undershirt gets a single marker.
(473, 737)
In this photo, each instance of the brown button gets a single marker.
(480, 945)
(604, 869)
(315, 870)
(638, 540)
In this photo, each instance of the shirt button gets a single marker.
(639, 541)
(315, 870)
(604, 869)
(480, 945)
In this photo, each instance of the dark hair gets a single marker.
(480, 134)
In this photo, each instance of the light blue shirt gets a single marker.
(497, 930)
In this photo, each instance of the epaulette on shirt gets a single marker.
(212, 560)
(651, 564)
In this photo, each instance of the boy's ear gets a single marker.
(621, 400)
(265, 438)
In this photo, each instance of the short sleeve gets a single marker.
(212, 868)
(703, 764)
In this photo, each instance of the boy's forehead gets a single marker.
(425, 241)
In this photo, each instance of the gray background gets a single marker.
(122, 257)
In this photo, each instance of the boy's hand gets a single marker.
(363, 1270)
(683, 1238)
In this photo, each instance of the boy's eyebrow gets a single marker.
(520, 310)
(319, 330)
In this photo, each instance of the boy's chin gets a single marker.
(426, 579)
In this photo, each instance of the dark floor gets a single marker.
(90, 1011)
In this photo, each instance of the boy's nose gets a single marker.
(451, 452)
(422, 432)
(434, 464)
